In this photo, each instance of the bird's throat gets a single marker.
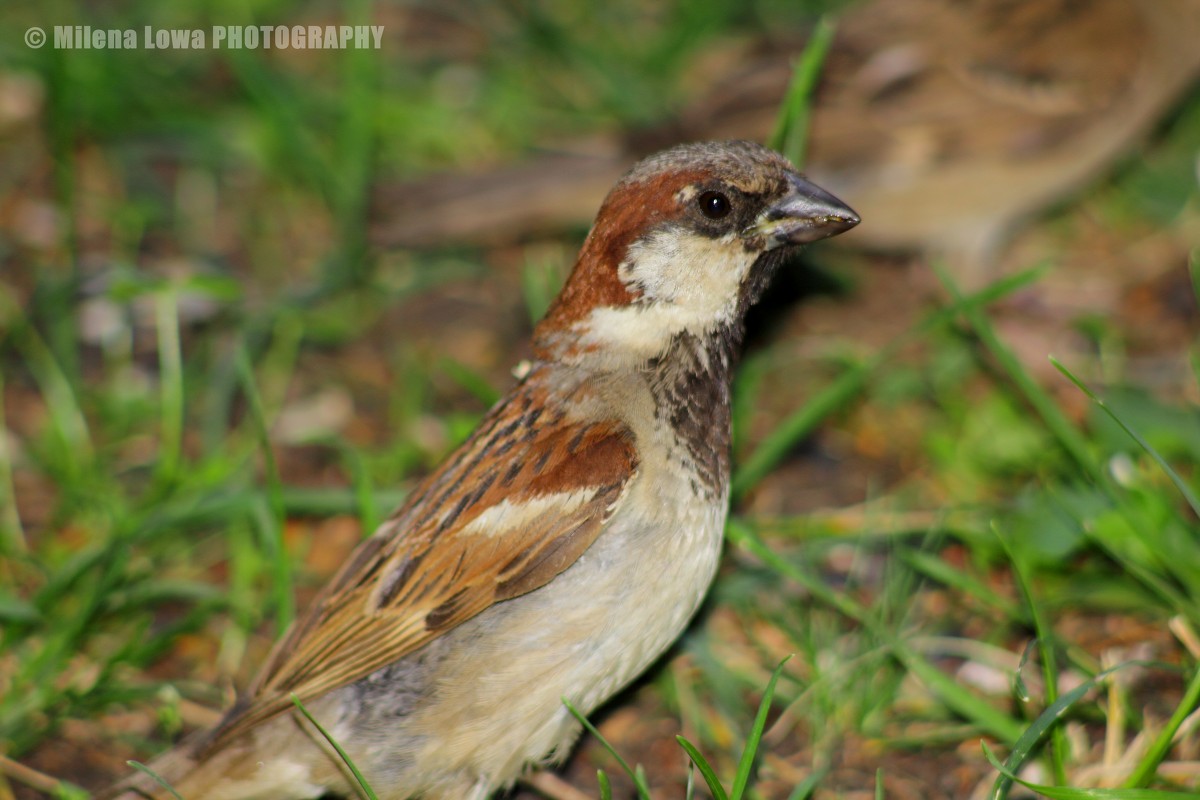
(690, 383)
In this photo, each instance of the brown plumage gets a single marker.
(424, 572)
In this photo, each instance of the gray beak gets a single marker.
(805, 214)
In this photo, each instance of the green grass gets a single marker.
(152, 520)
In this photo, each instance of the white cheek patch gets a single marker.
(694, 273)
(688, 282)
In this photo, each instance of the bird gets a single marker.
(560, 549)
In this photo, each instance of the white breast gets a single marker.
(583, 636)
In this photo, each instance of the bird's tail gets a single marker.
(169, 769)
(238, 771)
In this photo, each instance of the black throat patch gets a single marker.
(691, 388)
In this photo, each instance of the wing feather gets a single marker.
(514, 506)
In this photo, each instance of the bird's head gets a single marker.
(684, 244)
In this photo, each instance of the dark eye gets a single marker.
(714, 205)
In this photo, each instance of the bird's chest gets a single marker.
(622, 603)
(650, 569)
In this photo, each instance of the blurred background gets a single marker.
(249, 296)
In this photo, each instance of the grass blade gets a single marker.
(639, 780)
(140, 767)
(1070, 793)
(706, 770)
(851, 382)
(604, 784)
(790, 136)
(1028, 740)
(806, 787)
(956, 697)
(1180, 484)
(1069, 438)
(746, 765)
(800, 424)
(1158, 749)
(66, 414)
(271, 521)
(1045, 644)
(368, 792)
(171, 392)
(936, 568)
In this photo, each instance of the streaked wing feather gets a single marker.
(514, 506)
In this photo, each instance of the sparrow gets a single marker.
(565, 545)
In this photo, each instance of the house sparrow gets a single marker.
(565, 545)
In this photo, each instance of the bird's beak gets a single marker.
(805, 214)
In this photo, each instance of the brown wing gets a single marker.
(514, 506)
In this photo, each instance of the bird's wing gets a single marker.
(514, 506)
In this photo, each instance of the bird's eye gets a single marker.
(714, 205)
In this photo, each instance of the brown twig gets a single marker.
(30, 776)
